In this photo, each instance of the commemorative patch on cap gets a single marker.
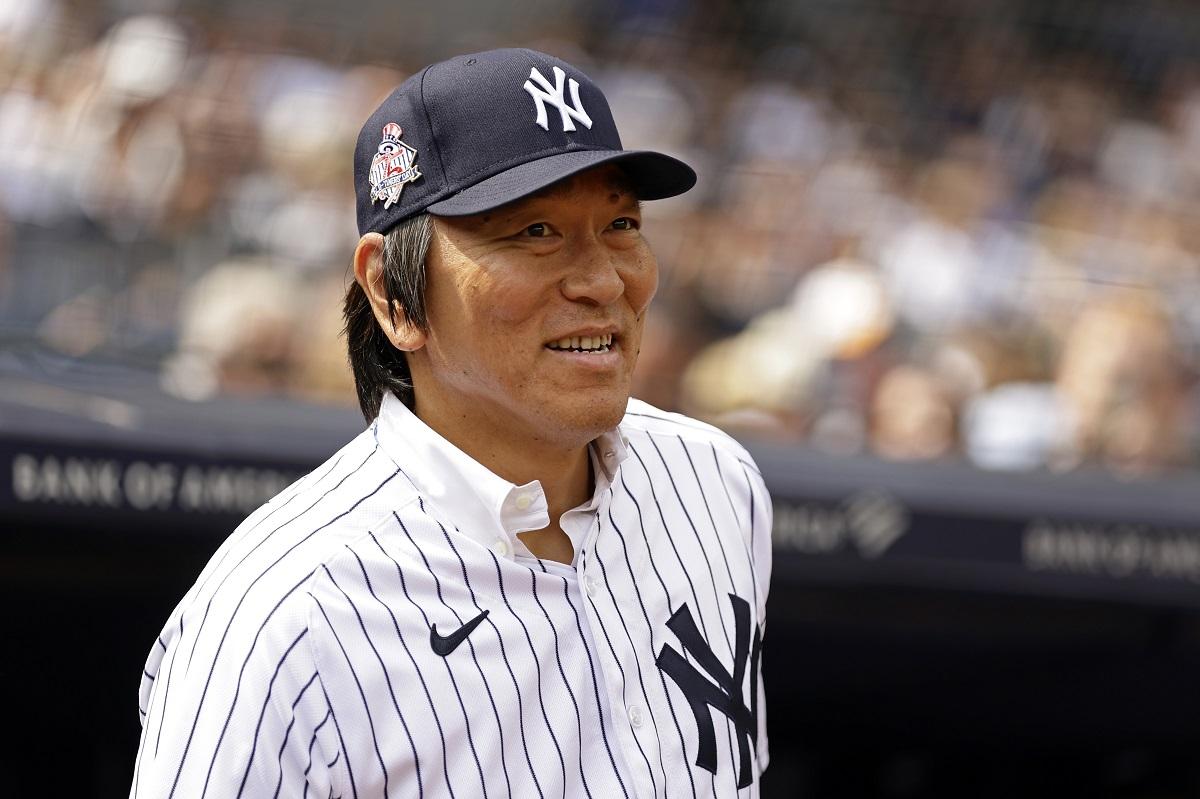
(393, 166)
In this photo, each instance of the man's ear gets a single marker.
(368, 271)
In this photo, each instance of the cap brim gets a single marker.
(654, 176)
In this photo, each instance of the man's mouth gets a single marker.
(583, 343)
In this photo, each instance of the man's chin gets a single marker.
(588, 418)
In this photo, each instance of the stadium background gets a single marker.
(940, 274)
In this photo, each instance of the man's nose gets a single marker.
(594, 277)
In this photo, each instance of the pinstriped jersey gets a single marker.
(379, 629)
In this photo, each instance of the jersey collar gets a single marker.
(480, 503)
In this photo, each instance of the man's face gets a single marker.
(536, 311)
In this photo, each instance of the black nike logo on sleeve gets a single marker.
(445, 644)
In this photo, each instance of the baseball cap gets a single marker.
(477, 131)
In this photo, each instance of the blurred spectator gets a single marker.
(237, 331)
(1121, 377)
(980, 245)
(911, 416)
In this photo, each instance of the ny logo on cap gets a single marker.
(544, 93)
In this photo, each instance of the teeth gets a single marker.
(583, 343)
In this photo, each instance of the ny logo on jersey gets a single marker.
(544, 93)
(726, 695)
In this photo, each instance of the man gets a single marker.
(517, 581)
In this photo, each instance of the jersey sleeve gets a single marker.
(752, 506)
(760, 513)
(232, 705)
(761, 520)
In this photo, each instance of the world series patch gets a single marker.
(393, 166)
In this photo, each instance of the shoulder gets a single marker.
(646, 425)
(712, 488)
(283, 544)
(240, 640)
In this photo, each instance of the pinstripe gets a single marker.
(445, 661)
(386, 676)
(242, 672)
(755, 572)
(341, 745)
(166, 687)
(507, 665)
(747, 548)
(143, 716)
(294, 491)
(420, 675)
(288, 732)
(596, 689)
(682, 567)
(711, 576)
(720, 546)
(470, 645)
(263, 540)
(636, 662)
(670, 539)
(166, 694)
(691, 424)
(649, 625)
(752, 525)
(236, 692)
(520, 706)
(263, 712)
(699, 542)
(708, 510)
(537, 669)
(563, 673)
(312, 741)
(624, 682)
(363, 694)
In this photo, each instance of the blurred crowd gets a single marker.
(919, 233)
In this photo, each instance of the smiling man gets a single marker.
(517, 581)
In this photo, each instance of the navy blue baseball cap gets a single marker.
(472, 133)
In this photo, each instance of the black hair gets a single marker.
(377, 365)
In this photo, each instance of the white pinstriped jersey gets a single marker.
(302, 662)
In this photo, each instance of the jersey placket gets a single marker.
(626, 702)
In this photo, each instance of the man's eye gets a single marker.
(625, 223)
(537, 231)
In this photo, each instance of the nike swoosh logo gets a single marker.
(445, 644)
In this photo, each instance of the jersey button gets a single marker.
(501, 547)
(590, 584)
(524, 501)
(635, 716)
